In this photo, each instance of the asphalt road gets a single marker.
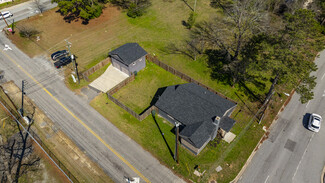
(117, 154)
(292, 153)
(25, 10)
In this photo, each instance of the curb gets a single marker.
(264, 137)
(322, 178)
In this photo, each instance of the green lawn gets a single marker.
(154, 142)
(138, 94)
(160, 26)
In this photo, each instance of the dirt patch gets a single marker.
(52, 171)
(84, 38)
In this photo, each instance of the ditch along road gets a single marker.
(118, 155)
(292, 153)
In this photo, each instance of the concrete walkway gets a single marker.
(109, 79)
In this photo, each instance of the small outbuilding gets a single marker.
(129, 58)
(200, 112)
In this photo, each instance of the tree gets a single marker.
(287, 56)
(191, 20)
(320, 9)
(135, 8)
(229, 36)
(38, 5)
(28, 31)
(221, 3)
(84, 9)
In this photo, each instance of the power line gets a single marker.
(13, 116)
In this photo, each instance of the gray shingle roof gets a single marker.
(190, 103)
(199, 132)
(128, 53)
(196, 108)
(226, 123)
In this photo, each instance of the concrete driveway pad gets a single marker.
(109, 79)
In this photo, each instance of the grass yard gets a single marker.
(154, 31)
(138, 94)
(154, 142)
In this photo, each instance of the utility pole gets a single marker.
(12, 26)
(176, 157)
(4, 19)
(22, 97)
(73, 60)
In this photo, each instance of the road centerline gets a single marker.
(302, 157)
(79, 120)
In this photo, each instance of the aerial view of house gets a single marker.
(200, 112)
(162, 91)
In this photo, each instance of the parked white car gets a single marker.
(5, 14)
(315, 121)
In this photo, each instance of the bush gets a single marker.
(134, 12)
(134, 8)
(28, 32)
(191, 20)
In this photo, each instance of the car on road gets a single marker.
(62, 62)
(59, 54)
(5, 14)
(314, 123)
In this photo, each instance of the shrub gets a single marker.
(191, 20)
(134, 12)
(28, 32)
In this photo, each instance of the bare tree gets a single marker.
(229, 35)
(27, 31)
(38, 5)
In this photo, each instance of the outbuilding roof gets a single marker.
(128, 53)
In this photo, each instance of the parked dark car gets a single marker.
(62, 62)
(59, 54)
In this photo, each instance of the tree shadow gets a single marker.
(249, 93)
(188, 5)
(163, 136)
(18, 154)
(217, 59)
(254, 69)
(184, 23)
